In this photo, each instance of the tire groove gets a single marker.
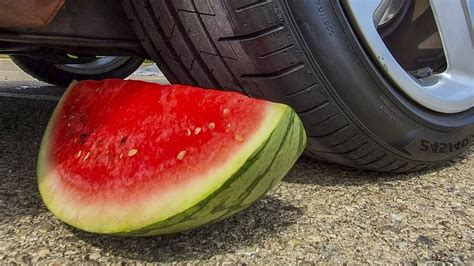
(414, 167)
(159, 29)
(275, 52)
(303, 90)
(277, 74)
(331, 133)
(252, 5)
(387, 165)
(138, 26)
(345, 141)
(376, 160)
(314, 109)
(325, 120)
(253, 35)
(354, 149)
(398, 168)
(367, 154)
(346, 152)
(214, 46)
(189, 43)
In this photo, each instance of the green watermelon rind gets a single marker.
(261, 171)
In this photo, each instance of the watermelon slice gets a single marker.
(135, 158)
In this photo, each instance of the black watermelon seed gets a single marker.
(83, 137)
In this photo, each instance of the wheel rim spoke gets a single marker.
(454, 21)
(449, 92)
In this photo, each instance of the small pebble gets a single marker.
(94, 256)
(43, 253)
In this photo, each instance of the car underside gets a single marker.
(80, 27)
(88, 28)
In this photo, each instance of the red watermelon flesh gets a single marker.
(119, 156)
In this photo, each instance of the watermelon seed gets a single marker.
(132, 152)
(226, 111)
(83, 138)
(212, 125)
(78, 154)
(197, 130)
(121, 156)
(239, 138)
(181, 155)
(188, 132)
(87, 156)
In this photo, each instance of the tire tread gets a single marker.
(276, 68)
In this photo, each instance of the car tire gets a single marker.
(303, 53)
(53, 74)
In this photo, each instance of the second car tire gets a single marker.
(60, 76)
(303, 53)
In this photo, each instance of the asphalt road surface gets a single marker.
(320, 213)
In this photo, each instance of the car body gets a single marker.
(80, 27)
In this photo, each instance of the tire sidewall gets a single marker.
(369, 99)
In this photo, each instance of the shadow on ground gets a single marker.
(22, 122)
(238, 234)
(313, 172)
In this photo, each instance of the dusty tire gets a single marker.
(48, 72)
(314, 62)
